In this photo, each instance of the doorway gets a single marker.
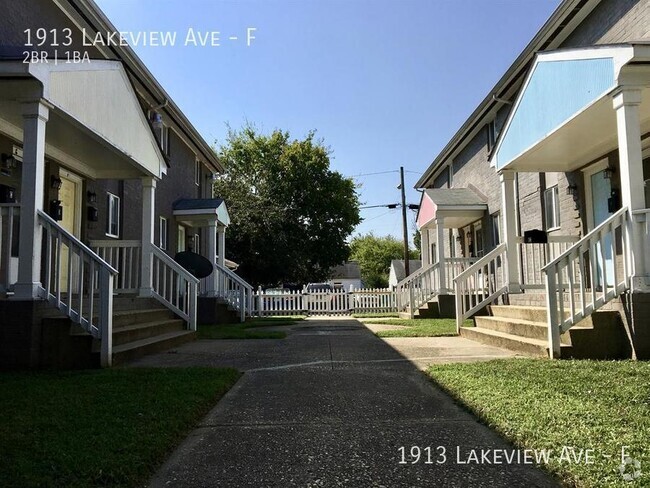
(598, 190)
(70, 196)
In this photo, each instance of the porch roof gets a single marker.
(563, 117)
(96, 125)
(458, 206)
(198, 212)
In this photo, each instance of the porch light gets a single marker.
(92, 196)
(56, 182)
(609, 173)
(572, 190)
(8, 162)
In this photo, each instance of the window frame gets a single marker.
(163, 236)
(556, 222)
(111, 198)
(197, 244)
(181, 232)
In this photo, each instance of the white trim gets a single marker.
(110, 197)
(587, 173)
(554, 190)
(162, 242)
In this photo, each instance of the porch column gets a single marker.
(148, 223)
(212, 256)
(440, 251)
(221, 232)
(508, 211)
(626, 104)
(424, 247)
(35, 116)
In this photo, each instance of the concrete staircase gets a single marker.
(523, 329)
(141, 326)
(441, 306)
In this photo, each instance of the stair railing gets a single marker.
(481, 284)
(125, 257)
(72, 275)
(593, 270)
(417, 288)
(174, 286)
(235, 290)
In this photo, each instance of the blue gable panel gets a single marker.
(557, 90)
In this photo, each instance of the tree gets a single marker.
(374, 255)
(290, 213)
(417, 242)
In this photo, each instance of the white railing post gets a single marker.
(106, 316)
(192, 306)
(554, 333)
(411, 303)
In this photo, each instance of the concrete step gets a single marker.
(518, 327)
(134, 350)
(532, 314)
(137, 332)
(523, 345)
(122, 318)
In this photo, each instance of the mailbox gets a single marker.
(7, 194)
(535, 236)
(93, 214)
(56, 210)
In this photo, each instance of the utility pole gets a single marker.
(407, 269)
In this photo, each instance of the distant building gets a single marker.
(346, 276)
(397, 272)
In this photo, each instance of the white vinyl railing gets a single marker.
(234, 289)
(424, 285)
(324, 302)
(9, 213)
(174, 286)
(535, 256)
(124, 256)
(417, 288)
(481, 284)
(589, 274)
(72, 275)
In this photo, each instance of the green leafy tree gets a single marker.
(291, 215)
(374, 255)
(417, 242)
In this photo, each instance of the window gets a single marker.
(478, 240)
(181, 239)
(113, 223)
(496, 229)
(197, 172)
(163, 233)
(552, 208)
(491, 135)
(197, 247)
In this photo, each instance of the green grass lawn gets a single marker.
(248, 329)
(102, 427)
(543, 404)
(417, 327)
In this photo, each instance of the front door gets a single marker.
(70, 196)
(599, 190)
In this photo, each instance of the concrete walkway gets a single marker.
(331, 405)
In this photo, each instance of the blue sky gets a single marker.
(385, 83)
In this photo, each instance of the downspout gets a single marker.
(518, 217)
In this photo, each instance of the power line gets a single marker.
(377, 173)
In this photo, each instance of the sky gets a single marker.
(384, 83)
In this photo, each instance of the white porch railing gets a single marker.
(232, 288)
(124, 256)
(174, 286)
(72, 275)
(9, 213)
(424, 285)
(535, 256)
(589, 274)
(481, 284)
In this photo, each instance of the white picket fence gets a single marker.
(324, 302)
